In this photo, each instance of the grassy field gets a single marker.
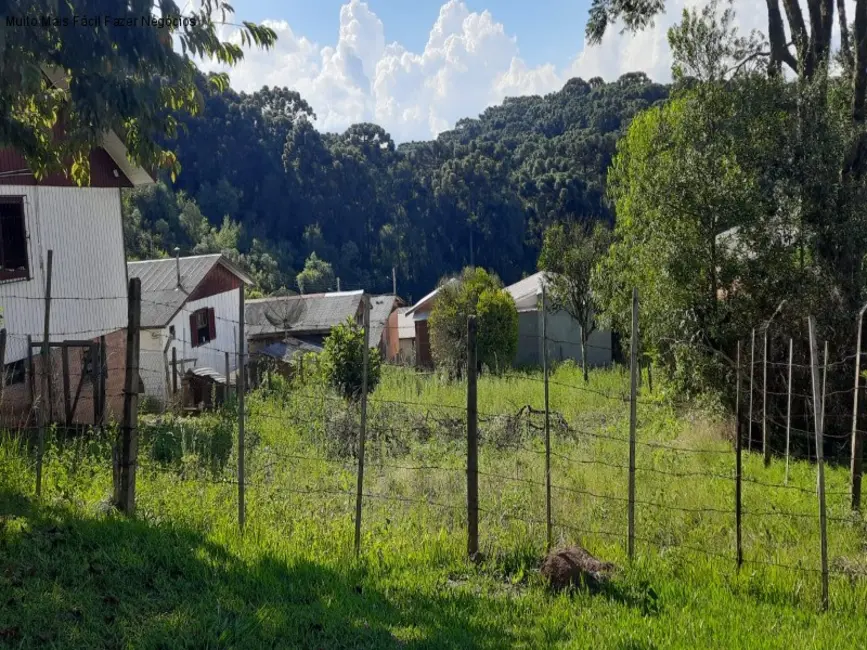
(179, 575)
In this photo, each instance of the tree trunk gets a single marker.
(584, 354)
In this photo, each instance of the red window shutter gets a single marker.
(194, 334)
(212, 325)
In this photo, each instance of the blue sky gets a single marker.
(417, 66)
(548, 31)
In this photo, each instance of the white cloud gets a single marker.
(468, 64)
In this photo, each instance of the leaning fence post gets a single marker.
(819, 419)
(738, 463)
(766, 444)
(365, 299)
(46, 335)
(129, 442)
(548, 516)
(242, 343)
(2, 360)
(789, 412)
(472, 444)
(752, 372)
(228, 382)
(857, 436)
(633, 399)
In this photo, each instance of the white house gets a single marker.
(563, 331)
(190, 305)
(83, 229)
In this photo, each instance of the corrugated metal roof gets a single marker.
(529, 286)
(161, 296)
(380, 309)
(208, 373)
(285, 350)
(313, 313)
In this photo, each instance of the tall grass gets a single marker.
(181, 575)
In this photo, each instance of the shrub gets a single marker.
(497, 329)
(475, 292)
(342, 360)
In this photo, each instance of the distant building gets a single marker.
(401, 347)
(564, 332)
(83, 228)
(190, 305)
(420, 312)
(310, 318)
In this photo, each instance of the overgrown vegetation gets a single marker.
(342, 362)
(476, 292)
(180, 574)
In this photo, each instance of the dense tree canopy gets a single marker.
(480, 194)
(90, 66)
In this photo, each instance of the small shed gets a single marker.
(203, 388)
(278, 356)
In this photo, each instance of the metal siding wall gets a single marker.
(211, 355)
(83, 227)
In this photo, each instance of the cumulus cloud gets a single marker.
(469, 62)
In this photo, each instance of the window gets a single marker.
(13, 240)
(203, 328)
(15, 373)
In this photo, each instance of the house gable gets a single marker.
(15, 171)
(218, 280)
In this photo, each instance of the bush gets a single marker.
(475, 292)
(343, 362)
(497, 329)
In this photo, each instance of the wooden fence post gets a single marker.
(766, 444)
(175, 371)
(31, 372)
(46, 335)
(789, 412)
(228, 374)
(242, 346)
(64, 367)
(738, 464)
(548, 515)
(752, 373)
(362, 434)
(129, 443)
(856, 467)
(472, 444)
(103, 379)
(819, 418)
(633, 416)
(2, 361)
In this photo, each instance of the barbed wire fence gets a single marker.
(548, 450)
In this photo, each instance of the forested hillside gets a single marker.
(258, 177)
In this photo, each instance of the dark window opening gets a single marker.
(172, 331)
(13, 240)
(15, 373)
(203, 327)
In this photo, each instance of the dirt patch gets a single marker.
(575, 566)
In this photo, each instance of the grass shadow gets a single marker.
(74, 581)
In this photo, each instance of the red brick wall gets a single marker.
(15, 405)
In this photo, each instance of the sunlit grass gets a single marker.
(181, 575)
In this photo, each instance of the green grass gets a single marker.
(75, 575)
